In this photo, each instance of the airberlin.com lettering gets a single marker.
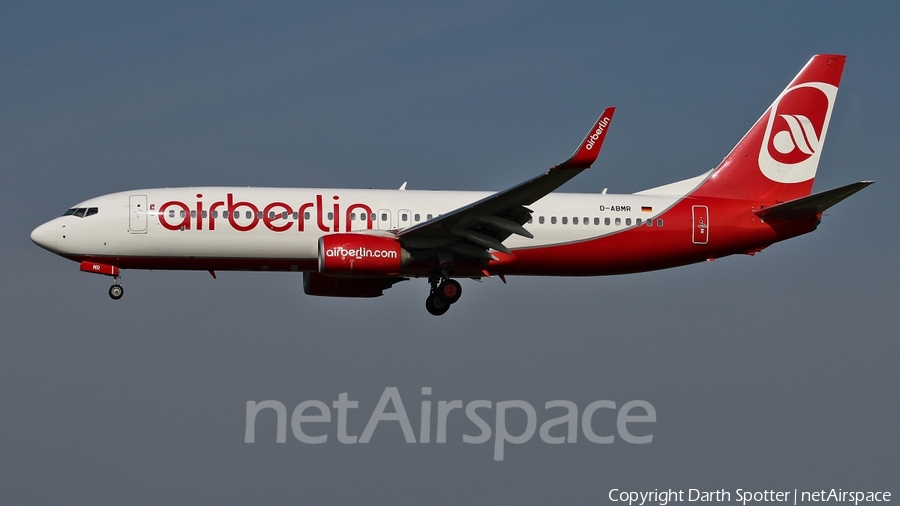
(512, 422)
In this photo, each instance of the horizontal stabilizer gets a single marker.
(811, 205)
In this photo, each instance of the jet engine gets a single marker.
(361, 255)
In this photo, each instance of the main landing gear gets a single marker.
(442, 295)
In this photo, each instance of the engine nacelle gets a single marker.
(361, 255)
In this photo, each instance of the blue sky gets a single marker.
(772, 371)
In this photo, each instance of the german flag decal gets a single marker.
(646, 209)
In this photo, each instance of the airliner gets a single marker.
(358, 243)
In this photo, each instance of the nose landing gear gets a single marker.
(116, 291)
(442, 295)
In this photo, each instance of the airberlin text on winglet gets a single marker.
(562, 427)
(256, 213)
(597, 133)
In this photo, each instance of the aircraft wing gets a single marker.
(474, 229)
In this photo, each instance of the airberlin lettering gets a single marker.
(245, 216)
(360, 253)
(597, 133)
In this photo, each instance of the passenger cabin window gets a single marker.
(596, 221)
(659, 222)
(574, 220)
(565, 220)
(628, 221)
(606, 221)
(330, 216)
(618, 221)
(404, 217)
(637, 221)
(417, 217)
(306, 215)
(193, 214)
(585, 220)
(541, 220)
(553, 220)
(428, 217)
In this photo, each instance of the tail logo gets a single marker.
(800, 136)
(795, 132)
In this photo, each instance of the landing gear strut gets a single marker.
(442, 295)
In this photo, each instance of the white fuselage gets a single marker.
(283, 223)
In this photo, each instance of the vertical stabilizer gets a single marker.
(776, 160)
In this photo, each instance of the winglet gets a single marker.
(587, 153)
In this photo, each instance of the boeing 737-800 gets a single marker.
(357, 243)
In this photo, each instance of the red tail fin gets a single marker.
(776, 160)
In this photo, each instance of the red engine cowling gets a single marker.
(361, 255)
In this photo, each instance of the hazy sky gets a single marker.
(777, 371)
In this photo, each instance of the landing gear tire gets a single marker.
(436, 305)
(449, 291)
(116, 292)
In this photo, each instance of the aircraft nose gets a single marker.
(45, 235)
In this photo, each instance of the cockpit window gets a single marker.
(81, 212)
